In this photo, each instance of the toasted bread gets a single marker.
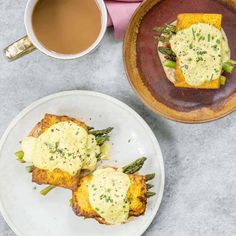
(136, 197)
(184, 21)
(56, 177)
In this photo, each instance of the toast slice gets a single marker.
(136, 197)
(184, 21)
(56, 177)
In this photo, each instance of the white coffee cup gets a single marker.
(30, 42)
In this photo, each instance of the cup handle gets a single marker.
(19, 48)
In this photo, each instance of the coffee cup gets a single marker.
(30, 42)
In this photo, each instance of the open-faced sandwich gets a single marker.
(61, 149)
(112, 195)
(194, 51)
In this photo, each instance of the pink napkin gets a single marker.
(119, 14)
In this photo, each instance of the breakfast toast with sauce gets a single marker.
(136, 197)
(194, 51)
(184, 21)
(137, 194)
(55, 177)
(59, 176)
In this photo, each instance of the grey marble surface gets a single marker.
(200, 160)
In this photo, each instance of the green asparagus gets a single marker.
(158, 29)
(168, 29)
(102, 139)
(150, 194)
(171, 28)
(134, 166)
(161, 38)
(150, 177)
(232, 62)
(29, 168)
(19, 156)
(170, 64)
(46, 190)
(101, 132)
(227, 67)
(166, 51)
(222, 80)
(149, 186)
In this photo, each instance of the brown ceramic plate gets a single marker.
(147, 76)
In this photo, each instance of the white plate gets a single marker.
(28, 213)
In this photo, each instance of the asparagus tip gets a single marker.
(227, 67)
(101, 132)
(150, 176)
(20, 156)
(150, 194)
(134, 166)
(29, 169)
(222, 80)
(70, 202)
(149, 186)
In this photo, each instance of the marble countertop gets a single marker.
(200, 160)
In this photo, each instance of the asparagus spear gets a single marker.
(167, 31)
(19, 156)
(222, 80)
(166, 51)
(101, 132)
(150, 177)
(158, 29)
(227, 67)
(232, 62)
(101, 135)
(170, 64)
(149, 186)
(150, 194)
(169, 54)
(134, 166)
(46, 190)
(29, 168)
(102, 139)
(161, 38)
(171, 28)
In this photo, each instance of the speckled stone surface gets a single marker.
(200, 160)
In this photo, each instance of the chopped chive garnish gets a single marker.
(211, 77)
(200, 38)
(209, 37)
(193, 34)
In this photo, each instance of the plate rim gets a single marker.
(116, 102)
(197, 116)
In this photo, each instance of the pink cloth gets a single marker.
(119, 14)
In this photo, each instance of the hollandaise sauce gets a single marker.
(64, 145)
(201, 50)
(108, 195)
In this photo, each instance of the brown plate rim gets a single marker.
(202, 115)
